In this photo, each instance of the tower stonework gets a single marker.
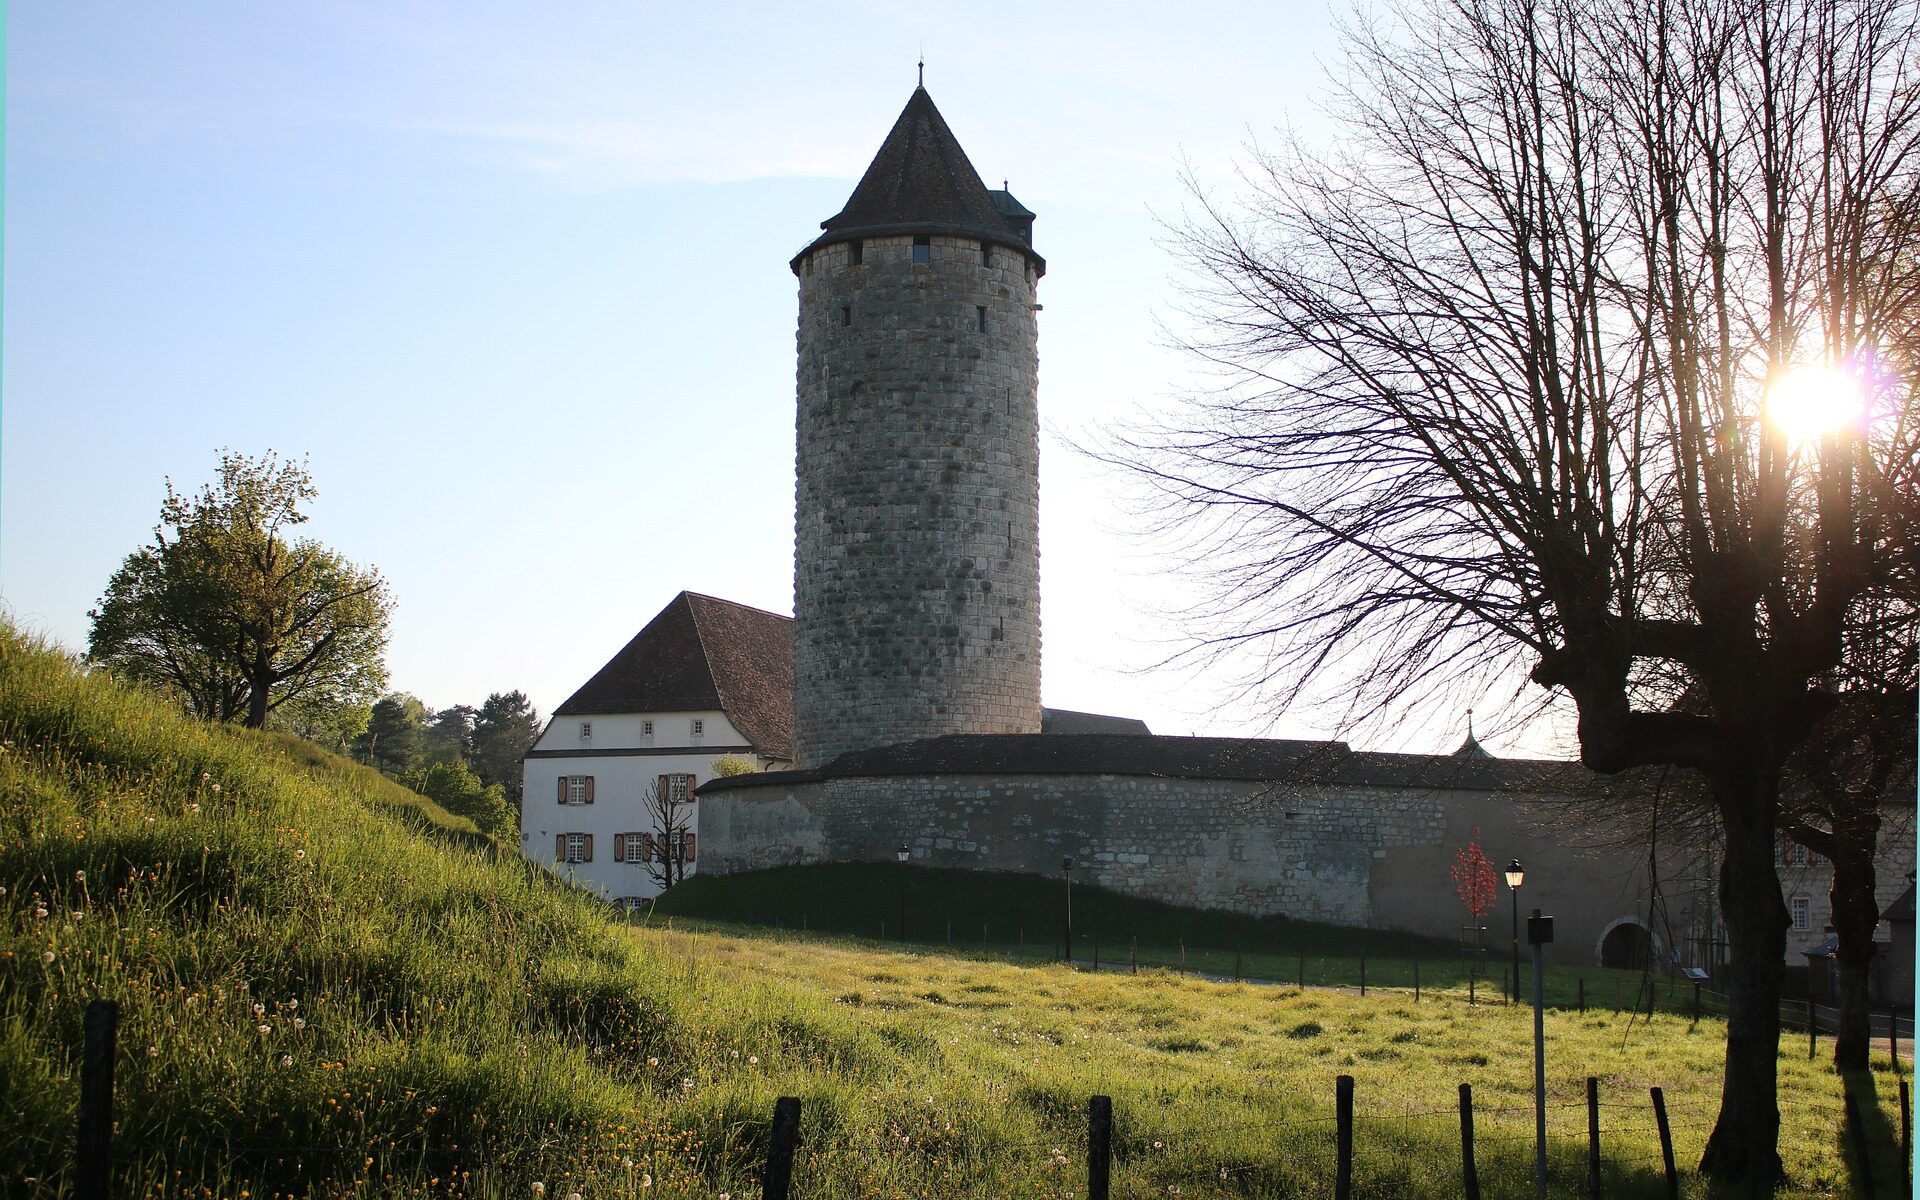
(916, 525)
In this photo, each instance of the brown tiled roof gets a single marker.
(703, 653)
(1253, 759)
(921, 182)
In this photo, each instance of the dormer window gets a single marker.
(922, 249)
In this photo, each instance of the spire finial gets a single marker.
(1469, 723)
(923, 67)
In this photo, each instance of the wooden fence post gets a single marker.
(1096, 952)
(1363, 974)
(1583, 993)
(1593, 1137)
(1813, 1026)
(1343, 1138)
(1099, 1146)
(1666, 1143)
(1416, 981)
(93, 1144)
(1303, 970)
(1134, 953)
(780, 1144)
(1236, 964)
(1857, 1134)
(1469, 1174)
(1183, 956)
(1906, 1136)
(1696, 1004)
(1893, 1040)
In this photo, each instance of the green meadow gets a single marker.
(329, 987)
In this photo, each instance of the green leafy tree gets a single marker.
(457, 789)
(448, 736)
(324, 721)
(732, 764)
(503, 731)
(395, 739)
(229, 612)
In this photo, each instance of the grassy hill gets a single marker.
(331, 988)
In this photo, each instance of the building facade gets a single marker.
(608, 791)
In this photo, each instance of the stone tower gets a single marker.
(916, 526)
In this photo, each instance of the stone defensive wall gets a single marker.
(1309, 830)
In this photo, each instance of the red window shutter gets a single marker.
(687, 838)
(563, 789)
(589, 789)
(619, 847)
(586, 848)
(560, 841)
(663, 788)
(646, 847)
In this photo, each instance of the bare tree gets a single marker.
(669, 848)
(1501, 373)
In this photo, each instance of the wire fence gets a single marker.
(1368, 1146)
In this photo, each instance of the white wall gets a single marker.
(624, 764)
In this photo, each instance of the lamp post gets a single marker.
(1515, 877)
(901, 856)
(1066, 868)
(1539, 935)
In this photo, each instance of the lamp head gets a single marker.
(1515, 876)
(902, 854)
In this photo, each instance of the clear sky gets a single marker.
(514, 278)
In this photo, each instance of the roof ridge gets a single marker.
(693, 595)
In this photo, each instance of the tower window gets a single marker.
(856, 251)
(846, 315)
(980, 317)
(922, 249)
(986, 254)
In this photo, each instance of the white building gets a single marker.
(705, 678)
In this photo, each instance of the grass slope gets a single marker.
(330, 988)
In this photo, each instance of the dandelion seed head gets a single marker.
(265, 1029)
(46, 956)
(286, 1060)
(153, 1052)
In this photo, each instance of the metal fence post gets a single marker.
(1343, 1138)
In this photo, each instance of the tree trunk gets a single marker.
(1743, 1148)
(257, 706)
(1856, 911)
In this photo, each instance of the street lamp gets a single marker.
(1515, 877)
(1066, 868)
(901, 856)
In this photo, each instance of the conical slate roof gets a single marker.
(699, 653)
(922, 183)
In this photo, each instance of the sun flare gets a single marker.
(1808, 402)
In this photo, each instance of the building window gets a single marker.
(575, 847)
(686, 846)
(856, 252)
(586, 731)
(699, 727)
(1802, 910)
(846, 315)
(922, 249)
(678, 789)
(576, 789)
(646, 729)
(986, 254)
(980, 317)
